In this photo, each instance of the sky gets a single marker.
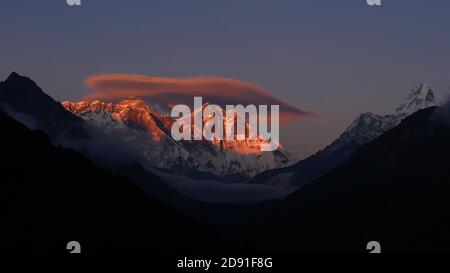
(336, 58)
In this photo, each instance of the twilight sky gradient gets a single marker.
(339, 58)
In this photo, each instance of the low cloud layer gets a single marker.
(217, 192)
(172, 91)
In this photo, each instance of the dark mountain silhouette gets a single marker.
(365, 128)
(22, 96)
(394, 190)
(311, 168)
(12, 97)
(151, 184)
(321, 163)
(51, 195)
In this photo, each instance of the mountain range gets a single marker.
(133, 127)
(22, 99)
(392, 188)
(365, 128)
(51, 195)
(150, 132)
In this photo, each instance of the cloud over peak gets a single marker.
(171, 91)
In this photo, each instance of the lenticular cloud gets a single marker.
(172, 91)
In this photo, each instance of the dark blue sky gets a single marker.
(338, 58)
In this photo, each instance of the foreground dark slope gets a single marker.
(24, 100)
(395, 190)
(51, 195)
(21, 95)
(311, 168)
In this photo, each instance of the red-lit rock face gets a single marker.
(221, 157)
(132, 112)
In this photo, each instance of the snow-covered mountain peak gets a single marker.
(133, 102)
(136, 119)
(419, 98)
(368, 126)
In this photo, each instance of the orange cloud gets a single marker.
(172, 91)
